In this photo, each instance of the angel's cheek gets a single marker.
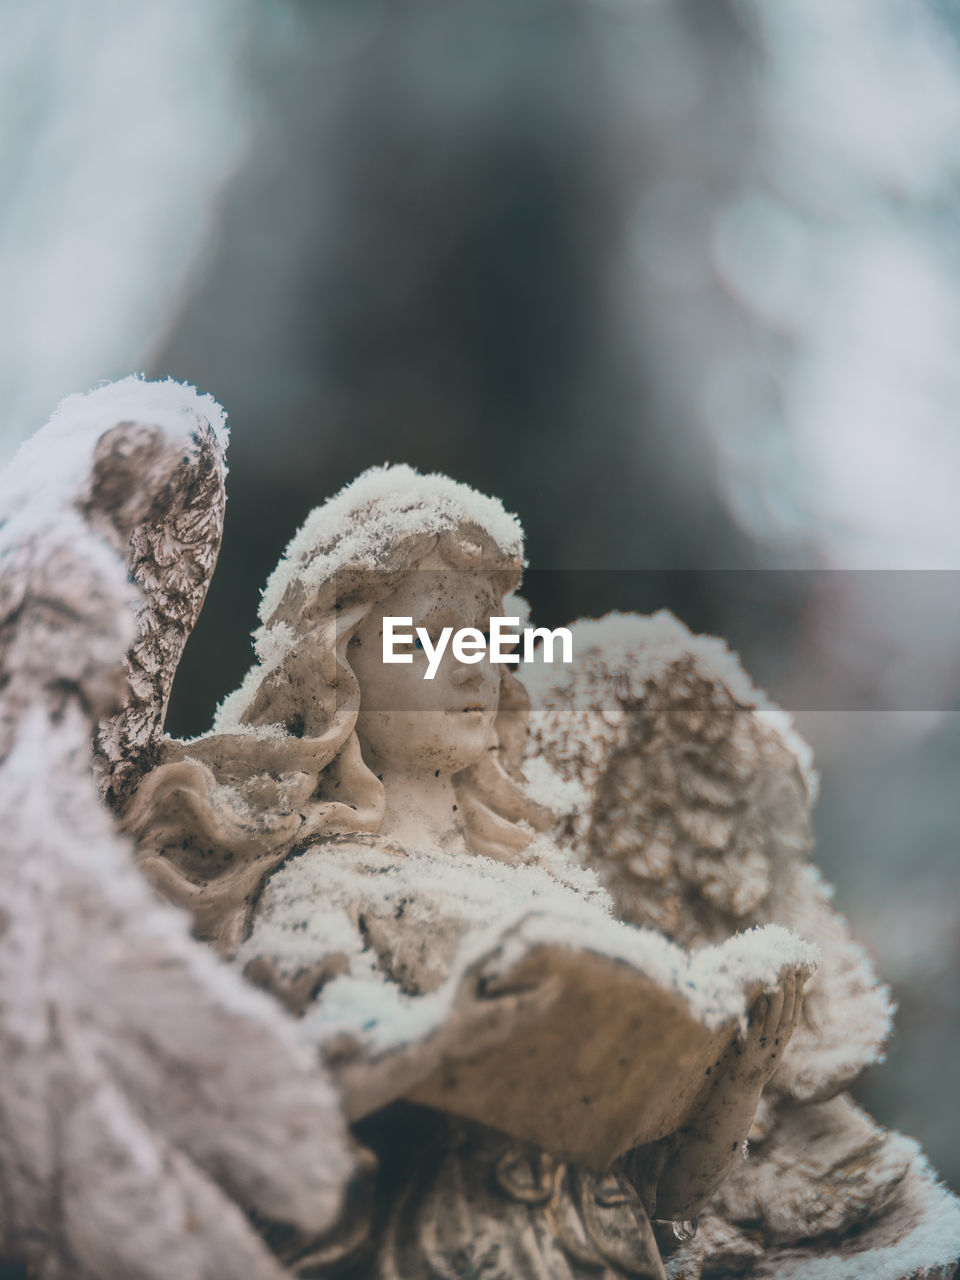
(423, 741)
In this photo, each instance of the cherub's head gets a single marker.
(296, 750)
(393, 543)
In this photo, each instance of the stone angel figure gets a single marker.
(494, 934)
(359, 840)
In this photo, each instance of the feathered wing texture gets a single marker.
(170, 553)
(848, 1013)
(148, 1096)
(690, 795)
(141, 464)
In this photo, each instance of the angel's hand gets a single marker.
(773, 1017)
(708, 1146)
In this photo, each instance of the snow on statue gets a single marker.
(535, 958)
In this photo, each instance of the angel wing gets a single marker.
(690, 796)
(170, 548)
(149, 1098)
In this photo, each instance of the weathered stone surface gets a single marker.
(507, 935)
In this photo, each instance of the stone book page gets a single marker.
(584, 1053)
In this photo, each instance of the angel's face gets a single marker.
(408, 723)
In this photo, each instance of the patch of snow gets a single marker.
(545, 786)
(358, 524)
(52, 469)
(461, 907)
(272, 645)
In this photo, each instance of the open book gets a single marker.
(585, 1046)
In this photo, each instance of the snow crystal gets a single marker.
(228, 717)
(272, 645)
(383, 504)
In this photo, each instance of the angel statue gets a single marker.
(523, 974)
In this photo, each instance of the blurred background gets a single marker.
(678, 280)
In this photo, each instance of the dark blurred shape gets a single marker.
(424, 261)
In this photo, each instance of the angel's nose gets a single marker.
(464, 674)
